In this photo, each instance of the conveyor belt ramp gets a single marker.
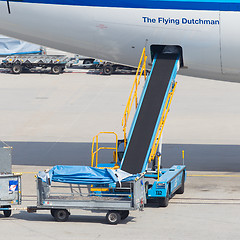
(149, 111)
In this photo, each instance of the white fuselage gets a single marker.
(119, 34)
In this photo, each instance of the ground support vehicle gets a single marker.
(107, 68)
(22, 63)
(80, 61)
(115, 199)
(10, 192)
(141, 151)
(164, 185)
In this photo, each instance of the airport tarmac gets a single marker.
(52, 119)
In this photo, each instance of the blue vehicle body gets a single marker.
(169, 182)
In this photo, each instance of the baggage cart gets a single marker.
(10, 192)
(117, 199)
(17, 64)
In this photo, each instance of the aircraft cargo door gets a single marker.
(230, 42)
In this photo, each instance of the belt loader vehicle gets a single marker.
(140, 153)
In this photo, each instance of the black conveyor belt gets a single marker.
(147, 118)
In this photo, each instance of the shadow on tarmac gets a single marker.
(197, 157)
(72, 218)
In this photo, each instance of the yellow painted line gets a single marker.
(100, 189)
(196, 175)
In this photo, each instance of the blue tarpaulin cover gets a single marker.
(10, 46)
(85, 175)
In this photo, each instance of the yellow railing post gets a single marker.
(133, 94)
(158, 157)
(92, 155)
(161, 123)
(183, 156)
(97, 149)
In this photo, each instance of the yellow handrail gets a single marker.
(133, 93)
(161, 125)
(95, 153)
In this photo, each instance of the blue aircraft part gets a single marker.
(211, 5)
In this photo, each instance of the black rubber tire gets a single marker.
(61, 215)
(56, 69)
(7, 213)
(113, 217)
(163, 202)
(181, 189)
(107, 70)
(16, 69)
(124, 214)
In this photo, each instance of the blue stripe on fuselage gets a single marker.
(219, 5)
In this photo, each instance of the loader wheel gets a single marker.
(181, 189)
(7, 213)
(163, 202)
(16, 69)
(56, 69)
(124, 214)
(61, 215)
(113, 217)
(107, 70)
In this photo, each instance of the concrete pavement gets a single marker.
(51, 120)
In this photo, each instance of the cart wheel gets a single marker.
(107, 70)
(7, 213)
(61, 215)
(163, 202)
(113, 217)
(56, 69)
(124, 214)
(181, 189)
(16, 69)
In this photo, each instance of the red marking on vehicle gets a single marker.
(101, 26)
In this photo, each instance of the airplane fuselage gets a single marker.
(207, 32)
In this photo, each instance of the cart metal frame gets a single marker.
(10, 192)
(17, 63)
(116, 199)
